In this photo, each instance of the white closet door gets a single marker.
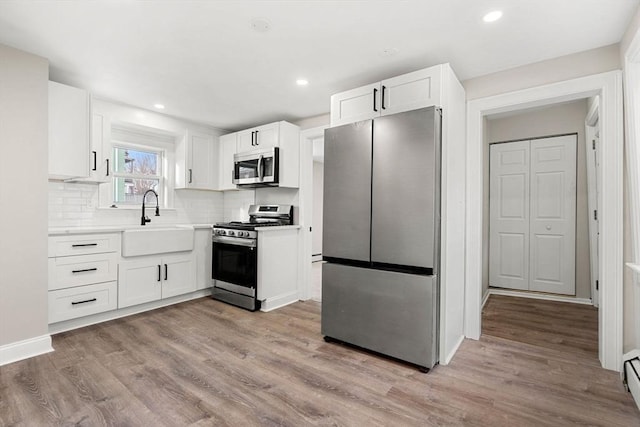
(509, 219)
(553, 215)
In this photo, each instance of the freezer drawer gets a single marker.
(391, 313)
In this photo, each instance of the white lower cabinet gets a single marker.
(83, 273)
(69, 303)
(146, 279)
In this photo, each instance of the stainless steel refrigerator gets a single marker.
(381, 235)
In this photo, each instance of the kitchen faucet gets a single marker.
(145, 219)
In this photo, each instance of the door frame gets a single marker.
(609, 87)
(591, 122)
(305, 217)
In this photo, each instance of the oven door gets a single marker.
(256, 168)
(235, 265)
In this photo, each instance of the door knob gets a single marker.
(548, 227)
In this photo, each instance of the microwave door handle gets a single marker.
(260, 168)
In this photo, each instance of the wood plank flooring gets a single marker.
(204, 363)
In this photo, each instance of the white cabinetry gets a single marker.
(203, 250)
(83, 270)
(68, 132)
(264, 136)
(277, 267)
(281, 134)
(150, 278)
(196, 161)
(410, 91)
(227, 148)
(99, 153)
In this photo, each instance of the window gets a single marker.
(141, 159)
(135, 171)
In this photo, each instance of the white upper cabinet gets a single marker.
(197, 161)
(99, 152)
(69, 137)
(281, 134)
(402, 93)
(264, 136)
(355, 105)
(227, 150)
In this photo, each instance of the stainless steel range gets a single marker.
(235, 254)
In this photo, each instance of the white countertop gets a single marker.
(54, 231)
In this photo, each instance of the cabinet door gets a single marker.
(246, 141)
(227, 150)
(355, 105)
(410, 91)
(68, 132)
(178, 275)
(201, 171)
(264, 136)
(267, 135)
(139, 281)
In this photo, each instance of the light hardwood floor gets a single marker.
(204, 363)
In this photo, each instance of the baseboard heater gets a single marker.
(632, 378)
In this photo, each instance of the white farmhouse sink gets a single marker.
(156, 240)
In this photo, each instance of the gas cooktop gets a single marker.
(262, 216)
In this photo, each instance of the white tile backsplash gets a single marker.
(236, 204)
(76, 205)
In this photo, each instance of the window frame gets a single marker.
(126, 135)
(160, 175)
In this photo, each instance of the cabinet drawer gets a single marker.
(83, 244)
(65, 304)
(66, 272)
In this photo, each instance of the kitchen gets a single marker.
(200, 207)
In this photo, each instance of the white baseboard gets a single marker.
(535, 295)
(25, 349)
(449, 356)
(485, 298)
(279, 301)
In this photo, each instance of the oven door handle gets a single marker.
(250, 243)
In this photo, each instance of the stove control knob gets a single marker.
(222, 232)
(240, 233)
(231, 233)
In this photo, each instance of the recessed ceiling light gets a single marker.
(302, 82)
(492, 16)
(158, 106)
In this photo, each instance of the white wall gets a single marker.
(318, 199)
(566, 67)
(548, 121)
(23, 194)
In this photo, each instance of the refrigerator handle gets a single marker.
(375, 95)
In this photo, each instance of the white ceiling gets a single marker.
(203, 60)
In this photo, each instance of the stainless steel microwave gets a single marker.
(256, 168)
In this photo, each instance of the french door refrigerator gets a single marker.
(381, 223)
